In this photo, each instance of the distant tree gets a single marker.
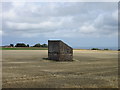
(20, 45)
(95, 49)
(37, 45)
(44, 45)
(11, 45)
(27, 45)
(106, 49)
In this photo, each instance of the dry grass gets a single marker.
(90, 69)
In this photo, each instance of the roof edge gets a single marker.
(54, 40)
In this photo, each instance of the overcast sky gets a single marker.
(79, 24)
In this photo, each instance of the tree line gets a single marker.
(27, 45)
(99, 49)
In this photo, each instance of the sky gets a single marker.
(79, 24)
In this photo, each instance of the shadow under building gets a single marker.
(59, 51)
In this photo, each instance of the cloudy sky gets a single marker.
(79, 24)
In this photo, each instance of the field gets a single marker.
(31, 69)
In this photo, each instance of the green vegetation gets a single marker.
(106, 49)
(11, 45)
(39, 45)
(23, 48)
(20, 45)
(38, 48)
(95, 49)
(99, 49)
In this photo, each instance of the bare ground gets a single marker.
(30, 69)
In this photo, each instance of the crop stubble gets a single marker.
(30, 69)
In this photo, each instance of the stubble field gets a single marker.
(31, 69)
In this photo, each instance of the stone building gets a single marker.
(59, 51)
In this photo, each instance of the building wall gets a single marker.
(58, 50)
(53, 50)
(66, 52)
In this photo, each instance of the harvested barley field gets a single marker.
(31, 69)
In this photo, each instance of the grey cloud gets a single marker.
(57, 19)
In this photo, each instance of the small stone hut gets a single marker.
(59, 51)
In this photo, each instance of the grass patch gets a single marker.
(24, 48)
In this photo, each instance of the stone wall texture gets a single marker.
(59, 51)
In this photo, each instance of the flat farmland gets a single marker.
(31, 69)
